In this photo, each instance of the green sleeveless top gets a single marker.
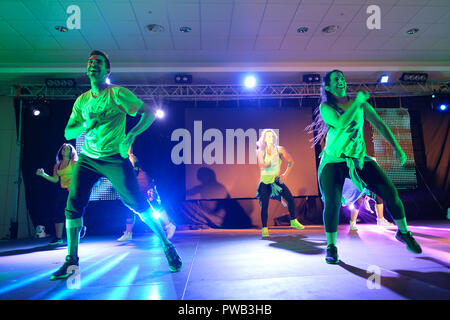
(269, 174)
(346, 145)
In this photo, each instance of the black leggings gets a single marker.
(264, 194)
(332, 181)
(60, 205)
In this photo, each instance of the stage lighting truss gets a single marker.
(230, 92)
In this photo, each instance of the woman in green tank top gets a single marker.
(340, 120)
(271, 184)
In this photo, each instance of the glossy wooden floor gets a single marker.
(237, 264)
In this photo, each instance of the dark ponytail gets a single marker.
(318, 128)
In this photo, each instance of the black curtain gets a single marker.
(41, 138)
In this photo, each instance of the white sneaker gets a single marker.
(367, 207)
(170, 230)
(353, 226)
(127, 236)
(384, 223)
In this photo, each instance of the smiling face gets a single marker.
(66, 151)
(269, 139)
(338, 85)
(96, 68)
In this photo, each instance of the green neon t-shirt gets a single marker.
(111, 108)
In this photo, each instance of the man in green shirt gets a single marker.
(102, 112)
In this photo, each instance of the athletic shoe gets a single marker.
(127, 236)
(410, 242)
(170, 230)
(367, 207)
(332, 255)
(265, 232)
(83, 232)
(173, 258)
(297, 225)
(382, 222)
(56, 242)
(353, 226)
(62, 273)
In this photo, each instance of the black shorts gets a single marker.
(117, 170)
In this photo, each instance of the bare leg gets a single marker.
(129, 225)
(169, 226)
(379, 209)
(59, 227)
(147, 218)
(354, 215)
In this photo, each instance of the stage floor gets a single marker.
(237, 264)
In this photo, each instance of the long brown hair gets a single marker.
(318, 128)
(261, 143)
(73, 154)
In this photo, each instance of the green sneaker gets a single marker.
(410, 242)
(297, 225)
(62, 272)
(173, 258)
(332, 254)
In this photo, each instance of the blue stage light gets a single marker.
(250, 82)
(384, 79)
(443, 107)
(156, 214)
(159, 114)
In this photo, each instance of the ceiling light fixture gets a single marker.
(185, 29)
(302, 30)
(412, 31)
(61, 28)
(330, 29)
(155, 28)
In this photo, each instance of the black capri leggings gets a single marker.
(264, 193)
(332, 181)
(60, 205)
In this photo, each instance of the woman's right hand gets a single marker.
(362, 96)
(40, 172)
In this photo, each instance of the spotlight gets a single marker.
(414, 77)
(159, 114)
(311, 78)
(60, 83)
(108, 81)
(250, 82)
(38, 108)
(440, 102)
(384, 79)
(183, 78)
(156, 214)
(351, 207)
